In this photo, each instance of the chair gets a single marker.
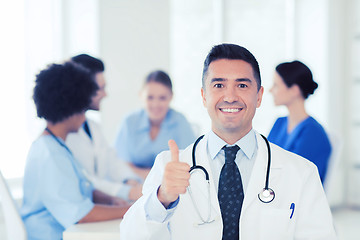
(14, 225)
(332, 182)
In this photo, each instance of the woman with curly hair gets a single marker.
(56, 192)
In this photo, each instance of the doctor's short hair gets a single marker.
(159, 77)
(232, 52)
(297, 73)
(95, 65)
(62, 90)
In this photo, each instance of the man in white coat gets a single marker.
(180, 205)
(103, 168)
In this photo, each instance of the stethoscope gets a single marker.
(266, 195)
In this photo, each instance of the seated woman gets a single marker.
(145, 133)
(298, 132)
(56, 192)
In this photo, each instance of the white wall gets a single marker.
(12, 65)
(41, 32)
(134, 38)
(311, 47)
(80, 28)
(192, 36)
(30, 40)
(352, 100)
(337, 91)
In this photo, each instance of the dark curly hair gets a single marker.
(62, 90)
(95, 65)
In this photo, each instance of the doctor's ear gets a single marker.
(259, 96)
(203, 96)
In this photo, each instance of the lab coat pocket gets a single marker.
(275, 224)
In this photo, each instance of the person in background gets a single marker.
(56, 192)
(298, 132)
(145, 133)
(106, 171)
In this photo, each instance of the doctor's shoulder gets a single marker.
(293, 163)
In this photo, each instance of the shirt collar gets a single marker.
(144, 122)
(247, 144)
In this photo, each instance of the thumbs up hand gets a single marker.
(176, 177)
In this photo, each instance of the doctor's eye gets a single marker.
(218, 85)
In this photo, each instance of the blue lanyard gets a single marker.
(83, 178)
(73, 159)
(57, 139)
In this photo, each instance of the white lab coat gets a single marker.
(293, 179)
(111, 171)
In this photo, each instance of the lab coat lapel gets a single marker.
(84, 135)
(202, 159)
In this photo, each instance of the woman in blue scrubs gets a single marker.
(145, 133)
(56, 192)
(298, 132)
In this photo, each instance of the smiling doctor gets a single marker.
(255, 190)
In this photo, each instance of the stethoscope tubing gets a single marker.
(269, 163)
(194, 166)
(262, 197)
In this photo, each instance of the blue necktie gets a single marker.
(87, 129)
(230, 194)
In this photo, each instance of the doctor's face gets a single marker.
(231, 97)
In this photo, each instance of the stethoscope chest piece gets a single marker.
(266, 195)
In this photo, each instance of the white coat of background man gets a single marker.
(104, 169)
(231, 92)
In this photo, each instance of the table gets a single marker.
(104, 230)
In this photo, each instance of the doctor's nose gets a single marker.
(230, 95)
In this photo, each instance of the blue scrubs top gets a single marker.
(133, 142)
(308, 139)
(56, 193)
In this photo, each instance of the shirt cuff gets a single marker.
(124, 192)
(155, 211)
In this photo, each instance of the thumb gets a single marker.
(174, 150)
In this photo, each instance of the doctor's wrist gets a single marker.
(164, 199)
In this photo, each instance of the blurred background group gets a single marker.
(135, 38)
